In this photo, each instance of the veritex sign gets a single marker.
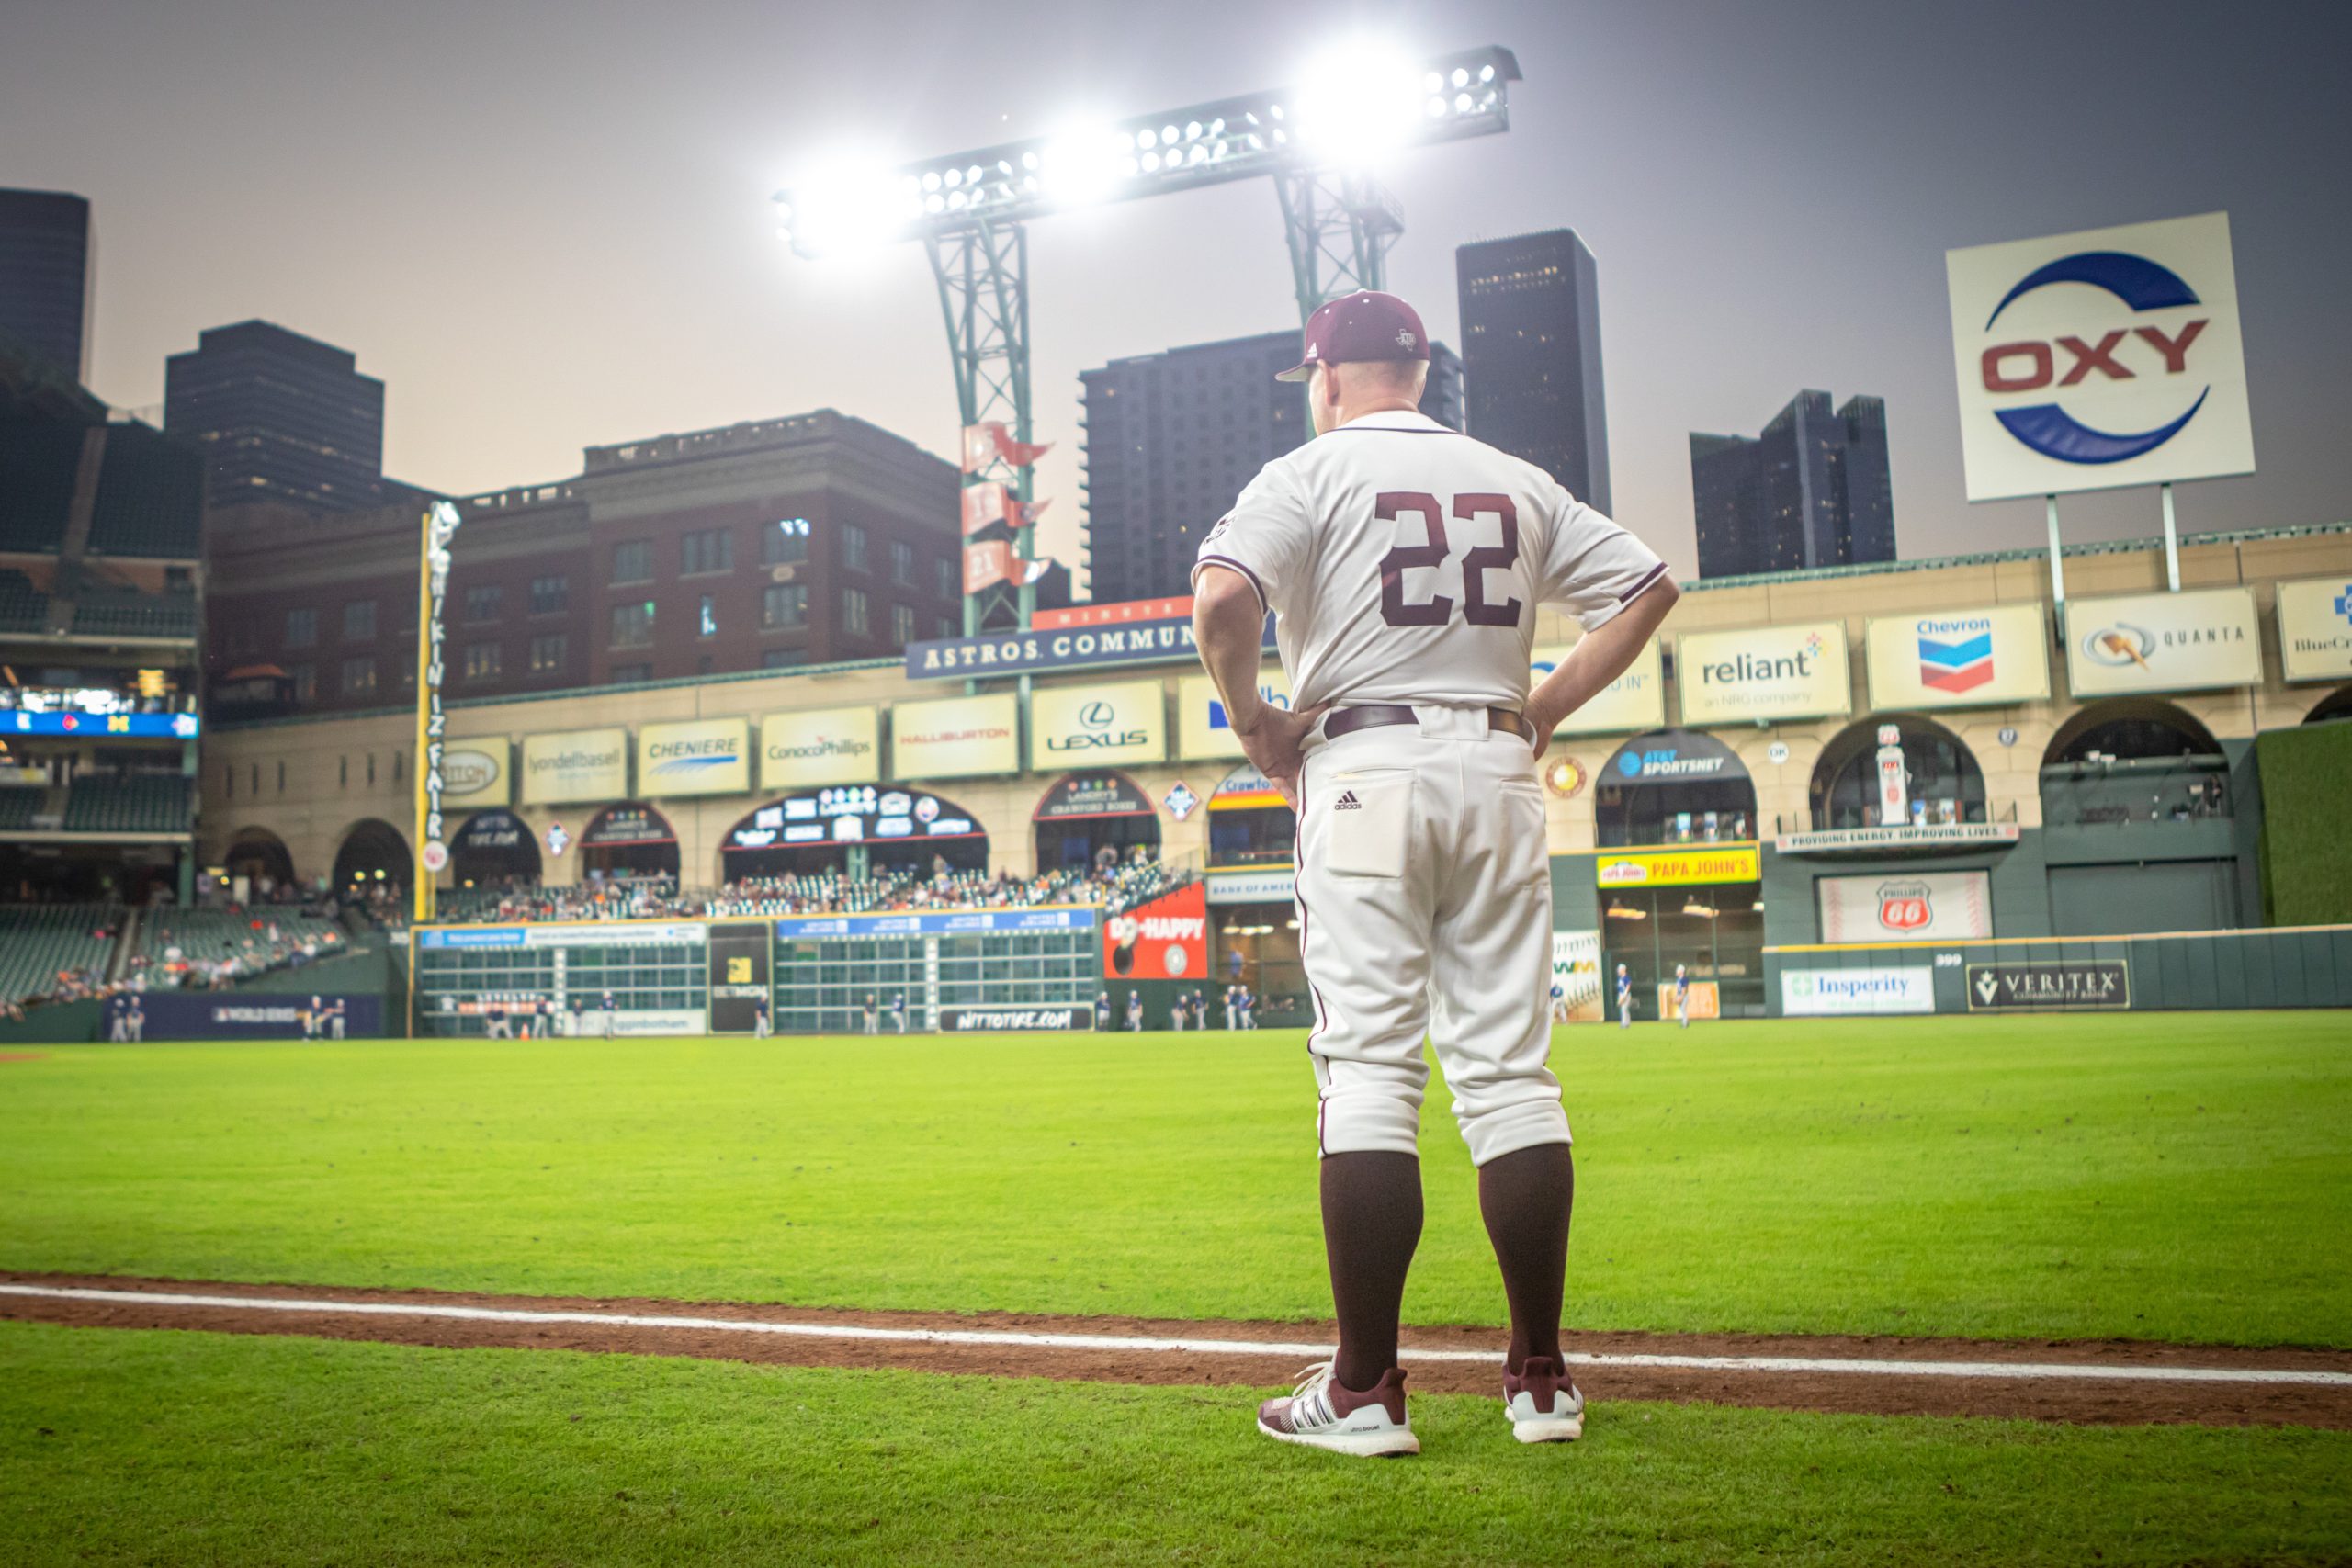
(2049, 987)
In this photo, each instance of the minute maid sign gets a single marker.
(1763, 672)
(703, 756)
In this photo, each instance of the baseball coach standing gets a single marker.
(1404, 563)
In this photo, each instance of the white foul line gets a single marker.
(1186, 1347)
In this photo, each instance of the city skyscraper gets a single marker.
(1814, 490)
(279, 417)
(46, 260)
(1172, 437)
(1530, 344)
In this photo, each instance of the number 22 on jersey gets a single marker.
(1402, 505)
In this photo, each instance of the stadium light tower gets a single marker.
(1317, 140)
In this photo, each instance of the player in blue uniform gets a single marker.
(1682, 995)
(1103, 1012)
(1624, 998)
(898, 1011)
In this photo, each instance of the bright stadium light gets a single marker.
(1364, 100)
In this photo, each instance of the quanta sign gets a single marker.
(2163, 642)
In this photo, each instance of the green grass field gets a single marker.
(2181, 1177)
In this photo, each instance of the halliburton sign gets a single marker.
(2049, 987)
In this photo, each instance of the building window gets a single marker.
(633, 562)
(785, 543)
(944, 571)
(944, 627)
(631, 674)
(485, 603)
(229, 780)
(301, 629)
(359, 621)
(902, 563)
(707, 622)
(783, 658)
(852, 546)
(306, 682)
(902, 625)
(706, 549)
(371, 768)
(784, 607)
(483, 659)
(633, 624)
(281, 777)
(397, 756)
(342, 774)
(550, 595)
(358, 677)
(547, 653)
(855, 618)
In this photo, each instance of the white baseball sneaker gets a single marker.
(1543, 1403)
(1323, 1415)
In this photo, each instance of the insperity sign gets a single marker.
(2107, 357)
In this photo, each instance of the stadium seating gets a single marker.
(36, 941)
(111, 613)
(127, 802)
(18, 806)
(23, 607)
(214, 936)
(38, 465)
(150, 499)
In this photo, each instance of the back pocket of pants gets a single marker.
(1367, 821)
(1525, 843)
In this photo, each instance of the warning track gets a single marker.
(2103, 1382)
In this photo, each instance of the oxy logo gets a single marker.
(2119, 353)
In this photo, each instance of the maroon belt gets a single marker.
(1347, 721)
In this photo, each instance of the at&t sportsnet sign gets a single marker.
(2107, 357)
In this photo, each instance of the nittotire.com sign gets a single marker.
(993, 1020)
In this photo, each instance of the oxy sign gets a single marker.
(2100, 358)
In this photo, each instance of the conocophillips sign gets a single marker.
(703, 756)
(579, 764)
(2101, 359)
(1764, 672)
(2163, 642)
(823, 746)
(1085, 726)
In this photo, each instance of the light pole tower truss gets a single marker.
(982, 270)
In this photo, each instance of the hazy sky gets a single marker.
(547, 226)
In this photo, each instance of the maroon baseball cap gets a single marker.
(1357, 327)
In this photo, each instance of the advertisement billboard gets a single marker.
(1090, 797)
(696, 756)
(1937, 906)
(2105, 358)
(1167, 939)
(1836, 993)
(852, 814)
(821, 746)
(1575, 970)
(997, 1021)
(1764, 672)
(956, 738)
(1958, 659)
(1087, 726)
(1700, 865)
(2163, 642)
(2315, 628)
(476, 773)
(575, 766)
(1635, 701)
(2049, 987)
(1201, 727)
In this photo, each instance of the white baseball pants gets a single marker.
(1425, 911)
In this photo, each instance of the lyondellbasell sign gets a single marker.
(2100, 358)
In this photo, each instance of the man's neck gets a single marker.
(1350, 413)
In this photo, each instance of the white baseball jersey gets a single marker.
(1405, 562)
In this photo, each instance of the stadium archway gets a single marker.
(1092, 821)
(260, 857)
(373, 854)
(628, 838)
(494, 849)
(1938, 781)
(2133, 759)
(2337, 704)
(858, 831)
(1664, 796)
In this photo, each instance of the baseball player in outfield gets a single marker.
(1406, 564)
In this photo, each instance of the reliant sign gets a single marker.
(578, 765)
(1959, 659)
(1764, 672)
(1081, 726)
(1635, 701)
(823, 746)
(1203, 729)
(2107, 357)
(958, 737)
(2315, 628)
(2163, 642)
(703, 756)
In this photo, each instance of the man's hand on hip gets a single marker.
(1273, 739)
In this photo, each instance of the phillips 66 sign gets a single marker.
(2104, 358)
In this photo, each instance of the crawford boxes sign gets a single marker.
(2049, 987)
(1959, 658)
(2100, 358)
(1764, 672)
(2163, 642)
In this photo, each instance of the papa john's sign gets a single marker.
(2101, 359)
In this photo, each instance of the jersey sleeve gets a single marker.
(1594, 568)
(1264, 538)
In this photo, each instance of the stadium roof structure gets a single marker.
(1995, 558)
